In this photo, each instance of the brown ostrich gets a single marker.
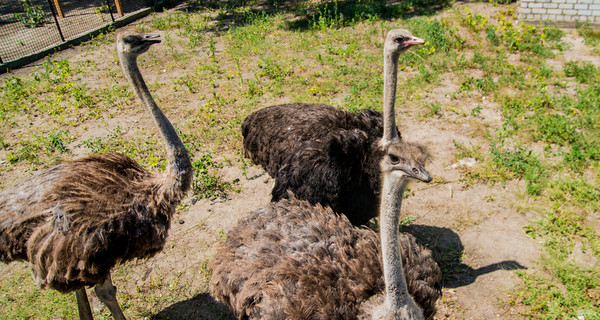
(74, 222)
(326, 155)
(294, 260)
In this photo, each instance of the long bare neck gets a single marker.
(395, 282)
(179, 170)
(390, 77)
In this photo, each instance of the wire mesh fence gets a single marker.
(30, 26)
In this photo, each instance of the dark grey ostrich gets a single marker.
(74, 222)
(294, 260)
(326, 155)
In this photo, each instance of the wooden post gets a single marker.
(58, 9)
(119, 8)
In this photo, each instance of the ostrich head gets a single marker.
(396, 42)
(405, 160)
(133, 44)
(399, 40)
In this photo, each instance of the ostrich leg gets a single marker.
(107, 293)
(85, 312)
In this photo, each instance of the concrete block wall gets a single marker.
(565, 13)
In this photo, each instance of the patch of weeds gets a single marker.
(188, 81)
(441, 39)
(25, 151)
(54, 141)
(581, 154)
(568, 294)
(207, 183)
(577, 191)
(272, 70)
(406, 221)
(474, 151)
(31, 151)
(521, 163)
(569, 289)
(55, 71)
(583, 72)
(13, 94)
(474, 21)
(590, 35)
(433, 109)
(554, 128)
(32, 17)
(484, 85)
(336, 14)
(526, 38)
(251, 38)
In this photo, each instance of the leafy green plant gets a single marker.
(524, 38)
(207, 183)
(25, 151)
(434, 108)
(32, 17)
(585, 72)
(522, 163)
(272, 70)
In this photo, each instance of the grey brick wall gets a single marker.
(560, 12)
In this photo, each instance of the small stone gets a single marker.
(181, 221)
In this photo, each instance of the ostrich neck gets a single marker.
(395, 283)
(179, 170)
(390, 69)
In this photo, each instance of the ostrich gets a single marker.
(294, 260)
(326, 155)
(74, 222)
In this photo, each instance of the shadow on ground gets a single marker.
(202, 306)
(307, 15)
(448, 251)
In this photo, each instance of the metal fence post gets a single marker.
(56, 21)
(110, 10)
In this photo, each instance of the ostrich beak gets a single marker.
(419, 173)
(150, 38)
(414, 41)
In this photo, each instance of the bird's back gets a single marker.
(273, 133)
(75, 221)
(292, 260)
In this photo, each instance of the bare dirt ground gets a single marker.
(476, 231)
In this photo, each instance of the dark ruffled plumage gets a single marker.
(293, 260)
(320, 153)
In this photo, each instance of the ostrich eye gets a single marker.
(130, 39)
(394, 159)
(400, 40)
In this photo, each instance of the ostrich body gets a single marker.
(294, 260)
(326, 155)
(74, 222)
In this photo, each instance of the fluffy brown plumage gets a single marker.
(326, 155)
(322, 154)
(74, 222)
(293, 260)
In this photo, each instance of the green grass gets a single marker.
(21, 298)
(221, 61)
